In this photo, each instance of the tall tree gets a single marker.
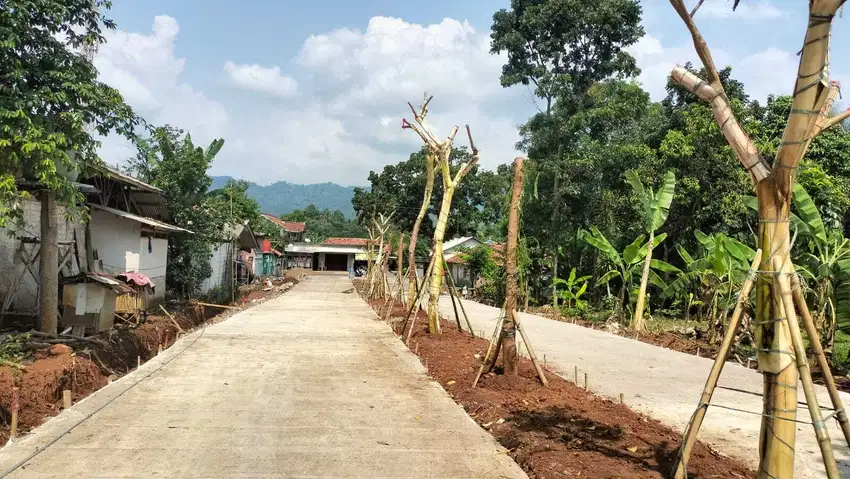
(562, 48)
(50, 100)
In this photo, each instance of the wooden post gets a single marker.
(823, 364)
(824, 443)
(13, 407)
(585, 381)
(66, 398)
(531, 355)
(452, 297)
(509, 325)
(138, 362)
(496, 331)
(622, 401)
(711, 383)
(576, 375)
(48, 266)
(453, 290)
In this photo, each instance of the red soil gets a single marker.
(560, 430)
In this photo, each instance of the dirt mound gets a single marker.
(41, 384)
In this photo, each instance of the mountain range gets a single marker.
(283, 197)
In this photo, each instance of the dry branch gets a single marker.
(744, 148)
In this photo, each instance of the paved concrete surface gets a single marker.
(310, 384)
(665, 385)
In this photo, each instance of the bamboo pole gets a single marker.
(453, 290)
(452, 297)
(531, 354)
(824, 443)
(416, 301)
(637, 319)
(823, 364)
(711, 383)
(496, 332)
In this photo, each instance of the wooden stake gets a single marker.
(531, 354)
(66, 398)
(711, 383)
(576, 375)
(621, 399)
(453, 292)
(452, 296)
(823, 364)
(585, 381)
(414, 305)
(493, 340)
(138, 362)
(13, 407)
(784, 287)
(173, 321)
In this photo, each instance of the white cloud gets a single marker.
(261, 79)
(144, 68)
(747, 9)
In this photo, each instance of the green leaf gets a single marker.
(685, 255)
(662, 201)
(656, 280)
(598, 241)
(809, 213)
(738, 250)
(632, 253)
(663, 266)
(607, 277)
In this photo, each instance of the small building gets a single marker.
(291, 231)
(333, 254)
(127, 231)
(236, 249)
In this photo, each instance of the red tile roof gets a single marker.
(346, 241)
(288, 226)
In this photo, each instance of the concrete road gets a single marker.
(665, 385)
(310, 384)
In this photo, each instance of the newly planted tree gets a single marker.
(441, 151)
(778, 336)
(655, 207)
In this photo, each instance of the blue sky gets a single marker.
(310, 92)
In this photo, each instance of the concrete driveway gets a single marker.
(665, 385)
(307, 385)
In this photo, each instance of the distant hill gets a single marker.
(283, 197)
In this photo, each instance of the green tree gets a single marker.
(562, 48)
(50, 104)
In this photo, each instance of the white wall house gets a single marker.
(457, 266)
(127, 231)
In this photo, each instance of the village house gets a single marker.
(127, 232)
(232, 259)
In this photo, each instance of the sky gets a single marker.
(314, 91)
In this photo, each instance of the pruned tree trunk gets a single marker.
(48, 266)
(509, 358)
(414, 234)
(637, 320)
(556, 201)
(437, 260)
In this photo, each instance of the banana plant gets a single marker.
(716, 272)
(626, 266)
(573, 289)
(824, 264)
(656, 206)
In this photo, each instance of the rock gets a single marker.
(60, 349)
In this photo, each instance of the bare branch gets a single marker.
(471, 143)
(700, 45)
(744, 148)
(426, 136)
(451, 137)
(694, 11)
(840, 118)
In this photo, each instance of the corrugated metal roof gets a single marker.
(150, 204)
(113, 173)
(157, 225)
